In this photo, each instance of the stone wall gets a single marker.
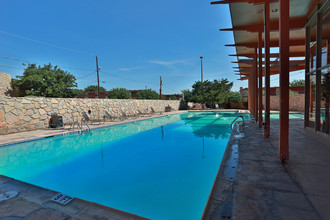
(296, 102)
(5, 87)
(26, 114)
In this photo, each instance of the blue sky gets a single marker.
(136, 41)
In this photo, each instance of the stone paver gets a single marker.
(263, 187)
(267, 189)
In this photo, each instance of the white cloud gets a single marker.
(168, 63)
(129, 68)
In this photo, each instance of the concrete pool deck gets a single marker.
(264, 188)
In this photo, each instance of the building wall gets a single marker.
(297, 102)
(26, 114)
(5, 87)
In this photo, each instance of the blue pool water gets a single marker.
(159, 168)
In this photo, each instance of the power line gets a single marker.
(170, 89)
(27, 61)
(133, 80)
(14, 59)
(185, 74)
(10, 66)
(86, 75)
(45, 43)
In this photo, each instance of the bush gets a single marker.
(147, 94)
(234, 97)
(119, 93)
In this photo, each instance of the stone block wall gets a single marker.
(5, 87)
(26, 114)
(296, 102)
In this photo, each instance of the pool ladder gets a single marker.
(240, 116)
(80, 126)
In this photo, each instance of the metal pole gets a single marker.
(98, 78)
(160, 89)
(283, 152)
(260, 79)
(267, 70)
(201, 69)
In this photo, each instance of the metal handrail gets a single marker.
(76, 123)
(240, 116)
(86, 124)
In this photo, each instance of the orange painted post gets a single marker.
(307, 77)
(267, 70)
(283, 152)
(311, 101)
(255, 69)
(318, 71)
(260, 80)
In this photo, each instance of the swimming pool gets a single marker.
(161, 168)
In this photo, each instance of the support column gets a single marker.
(260, 78)
(312, 95)
(318, 72)
(251, 99)
(255, 68)
(284, 80)
(267, 70)
(307, 77)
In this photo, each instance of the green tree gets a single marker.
(210, 93)
(173, 98)
(119, 93)
(46, 81)
(296, 82)
(147, 94)
(187, 94)
(93, 88)
(234, 97)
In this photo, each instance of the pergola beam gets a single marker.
(272, 55)
(292, 62)
(293, 42)
(242, 1)
(297, 23)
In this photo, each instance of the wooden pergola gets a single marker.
(259, 25)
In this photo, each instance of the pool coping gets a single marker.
(220, 201)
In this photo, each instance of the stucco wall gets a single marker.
(5, 87)
(25, 114)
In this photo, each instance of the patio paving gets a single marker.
(253, 184)
(267, 189)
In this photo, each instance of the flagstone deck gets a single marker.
(264, 188)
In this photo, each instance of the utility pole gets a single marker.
(160, 89)
(201, 69)
(98, 78)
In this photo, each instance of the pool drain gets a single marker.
(62, 199)
(7, 195)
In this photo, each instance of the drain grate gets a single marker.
(62, 199)
(7, 195)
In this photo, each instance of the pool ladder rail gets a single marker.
(238, 133)
(80, 126)
(240, 116)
